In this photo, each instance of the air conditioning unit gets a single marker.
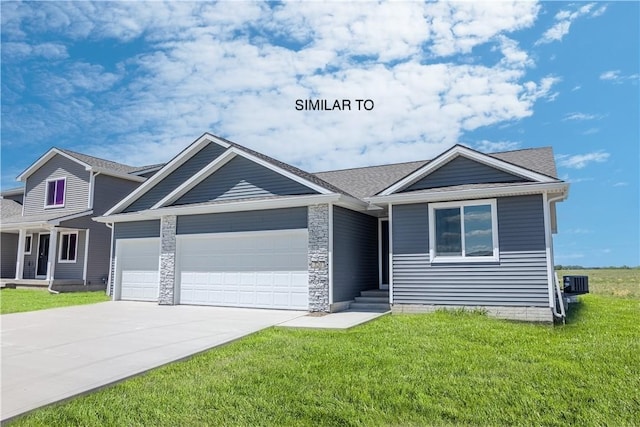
(576, 285)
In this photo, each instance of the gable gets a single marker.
(76, 186)
(242, 178)
(199, 160)
(460, 171)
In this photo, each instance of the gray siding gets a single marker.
(272, 219)
(8, 255)
(177, 177)
(76, 187)
(137, 229)
(460, 171)
(239, 179)
(29, 266)
(355, 253)
(71, 270)
(518, 279)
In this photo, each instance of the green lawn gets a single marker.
(18, 300)
(445, 368)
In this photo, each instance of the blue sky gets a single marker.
(137, 82)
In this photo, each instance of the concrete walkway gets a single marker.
(342, 320)
(51, 355)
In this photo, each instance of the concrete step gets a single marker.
(375, 300)
(375, 293)
(361, 306)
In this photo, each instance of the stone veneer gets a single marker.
(318, 256)
(167, 259)
(528, 314)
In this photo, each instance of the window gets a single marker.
(68, 247)
(27, 244)
(463, 231)
(55, 192)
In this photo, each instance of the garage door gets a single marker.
(137, 264)
(265, 269)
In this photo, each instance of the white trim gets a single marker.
(196, 179)
(20, 254)
(51, 260)
(30, 236)
(390, 254)
(109, 292)
(434, 258)
(57, 221)
(35, 273)
(86, 256)
(92, 184)
(68, 261)
(459, 150)
(46, 192)
(44, 159)
(330, 254)
(232, 234)
(470, 193)
(245, 205)
(122, 175)
(174, 164)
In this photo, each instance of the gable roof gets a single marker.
(510, 166)
(90, 163)
(232, 149)
(9, 209)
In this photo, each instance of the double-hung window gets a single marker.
(68, 247)
(463, 231)
(54, 196)
(28, 240)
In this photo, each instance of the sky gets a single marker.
(137, 82)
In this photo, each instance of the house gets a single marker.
(224, 225)
(47, 236)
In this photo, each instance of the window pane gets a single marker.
(65, 247)
(477, 231)
(448, 232)
(72, 247)
(51, 192)
(60, 192)
(27, 244)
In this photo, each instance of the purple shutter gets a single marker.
(60, 192)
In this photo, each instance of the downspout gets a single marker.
(554, 309)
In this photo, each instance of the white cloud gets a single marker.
(621, 184)
(495, 146)
(610, 75)
(22, 51)
(615, 76)
(576, 116)
(580, 161)
(564, 19)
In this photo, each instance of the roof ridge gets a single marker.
(73, 153)
(522, 149)
(373, 166)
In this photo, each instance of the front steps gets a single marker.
(372, 300)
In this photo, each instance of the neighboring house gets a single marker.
(221, 224)
(47, 235)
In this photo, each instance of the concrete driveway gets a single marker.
(51, 355)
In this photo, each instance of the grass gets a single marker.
(623, 283)
(19, 300)
(445, 368)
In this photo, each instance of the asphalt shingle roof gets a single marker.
(106, 164)
(9, 209)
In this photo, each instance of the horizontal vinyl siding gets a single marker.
(177, 177)
(272, 219)
(518, 279)
(108, 191)
(460, 171)
(76, 195)
(355, 253)
(137, 229)
(71, 270)
(8, 256)
(241, 178)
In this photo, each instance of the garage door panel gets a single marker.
(137, 274)
(246, 270)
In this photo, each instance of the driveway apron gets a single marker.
(51, 355)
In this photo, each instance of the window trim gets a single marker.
(30, 237)
(68, 261)
(434, 259)
(46, 193)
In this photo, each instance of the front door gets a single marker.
(43, 255)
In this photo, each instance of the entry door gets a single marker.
(43, 255)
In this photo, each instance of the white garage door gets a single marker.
(266, 269)
(137, 264)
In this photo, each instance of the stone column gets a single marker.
(318, 257)
(167, 260)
